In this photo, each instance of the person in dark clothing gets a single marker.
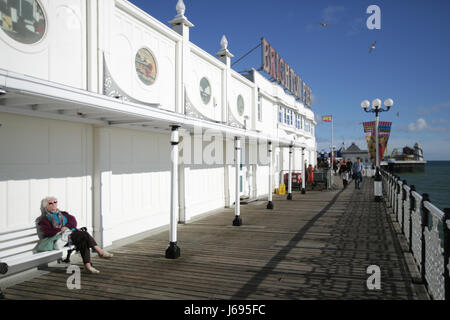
(54, 221)
(357, 172)
(344, 175)
(349, 168)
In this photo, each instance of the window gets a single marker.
(280, 114)
(22, 20)
(308, 125)
(298, 121)
(259, 108)
(205, 90)
(286, 116)
(145, 66)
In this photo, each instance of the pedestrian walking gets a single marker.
(357, 172)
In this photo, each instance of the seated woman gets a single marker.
(54, 221)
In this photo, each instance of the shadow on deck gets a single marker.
(317, 246)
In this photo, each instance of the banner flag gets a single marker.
(384, 130)
(327, 118)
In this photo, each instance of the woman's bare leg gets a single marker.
(99, 250)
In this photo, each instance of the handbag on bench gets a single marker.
(47, 244)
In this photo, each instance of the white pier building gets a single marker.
(95, 95)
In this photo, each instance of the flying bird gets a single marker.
(324, 24)
(372, 46)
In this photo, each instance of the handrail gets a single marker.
(427, 231)
(433, 209)
(417, 196)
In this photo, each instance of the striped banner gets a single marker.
(384, 130)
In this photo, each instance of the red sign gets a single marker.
(278, 69)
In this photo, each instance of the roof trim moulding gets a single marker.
(30, 86)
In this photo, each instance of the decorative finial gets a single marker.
(181, 8)
(224, 42)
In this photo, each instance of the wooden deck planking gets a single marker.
(317, 246)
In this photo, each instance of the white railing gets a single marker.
(427, 231)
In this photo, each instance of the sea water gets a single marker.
(435, 181)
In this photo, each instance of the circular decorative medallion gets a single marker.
(240, 105)
(205, 90)
(146, 66)
(23, 21)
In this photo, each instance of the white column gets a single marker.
(181, 25)
(100, 183)
(378, 188)
(93, 84)
(224, 55)
(289, 196)
(237, 162)
(377, 158)
(303, 171)
(270, 203)
(173, 251)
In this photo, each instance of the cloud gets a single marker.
(355, 26)
(432, 126)
(332, 14)
(419, 125)
(434, 109)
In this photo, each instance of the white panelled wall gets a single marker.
(135, 175)
(41, 157)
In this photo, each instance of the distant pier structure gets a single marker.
(410, 160)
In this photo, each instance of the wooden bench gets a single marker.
(17, 250)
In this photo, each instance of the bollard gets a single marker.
(446, 253)
(377, 186)
(424, 224)
(412, 208)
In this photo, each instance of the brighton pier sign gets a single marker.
(279, 70)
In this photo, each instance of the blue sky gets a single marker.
(410, 64)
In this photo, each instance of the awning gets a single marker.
(25, 95)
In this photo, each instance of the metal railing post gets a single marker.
(397, 191)
(424, 224)
(412, 208)
(446, 230)
(392, 191)
(388, 189)
(403, 205)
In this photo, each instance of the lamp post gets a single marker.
(376, 108)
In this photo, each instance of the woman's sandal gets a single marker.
(106, 255)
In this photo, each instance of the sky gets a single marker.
(410, 63)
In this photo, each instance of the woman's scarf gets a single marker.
(56, 224)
